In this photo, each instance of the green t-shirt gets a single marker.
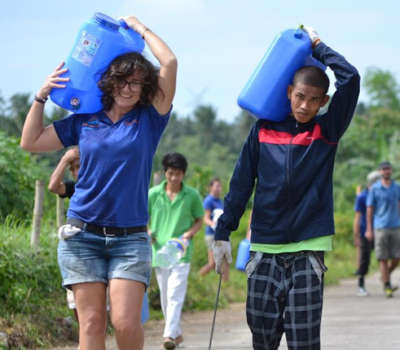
(170, 219)
(323, 243)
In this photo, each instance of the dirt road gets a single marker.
(349, 322)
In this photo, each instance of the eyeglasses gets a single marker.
(131, 84)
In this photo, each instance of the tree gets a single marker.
(382, 88)
(18, 109)
(57, 113)
(18, 172)
(241, 128)
(205, 117)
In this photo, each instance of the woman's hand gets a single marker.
(53, 81)
(168, 64)
(71, 155)
(187, 236)
(135, 24)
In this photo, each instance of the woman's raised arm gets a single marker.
(168, 64)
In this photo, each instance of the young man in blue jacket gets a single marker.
(291, 165)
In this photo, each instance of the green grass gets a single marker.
(32, 302)
(342, 260)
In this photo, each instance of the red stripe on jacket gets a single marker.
(285, 138)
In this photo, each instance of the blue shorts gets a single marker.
(87, 257)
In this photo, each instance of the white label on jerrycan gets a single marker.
(86, 48)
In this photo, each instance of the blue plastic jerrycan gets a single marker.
(145, 309)
(265, 94)
(99, 41)
(243, 254)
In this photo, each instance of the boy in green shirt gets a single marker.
(175, 210)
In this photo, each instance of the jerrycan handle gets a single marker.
(136, 37)
(123, 24)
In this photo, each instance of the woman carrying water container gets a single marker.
(107, 242)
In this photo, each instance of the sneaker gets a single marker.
(362, 292)
(169, 344)
(394, 288)
(388, 292)
(179, 341)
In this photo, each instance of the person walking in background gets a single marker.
(213, 209)
(65, 189)
(383, 224)
(290, 163)
(57, 185)
(359, 188)
(105, 240)
(175, 211)
(359, 226)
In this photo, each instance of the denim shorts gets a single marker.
(87, 257)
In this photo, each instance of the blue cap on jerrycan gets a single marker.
(106, 21)
(265, 93)
(99, 41)
(243, 254)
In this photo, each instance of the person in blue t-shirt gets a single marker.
(105, 242)
(383, 224)
(360, 224)
(213, 209)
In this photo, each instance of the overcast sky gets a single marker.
(218, 42)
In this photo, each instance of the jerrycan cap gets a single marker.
(298, 33)
(106, 21)
(75, 103)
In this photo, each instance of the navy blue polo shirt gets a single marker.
(115, 164)
(360, 205)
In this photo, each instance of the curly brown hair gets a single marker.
(124, 66)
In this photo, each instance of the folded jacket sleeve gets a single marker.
(240, 187)
(344, 101)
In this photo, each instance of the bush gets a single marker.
(32, 302)
(341, 261)
(18, 172)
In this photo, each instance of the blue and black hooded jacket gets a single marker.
(291, 166)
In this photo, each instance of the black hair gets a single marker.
(385, 164)
(122, 67)
(174, 160)
(213, 180)
(313, 76)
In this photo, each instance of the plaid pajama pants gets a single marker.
(285, 294)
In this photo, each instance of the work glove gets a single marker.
(216, 215)
(312, 33)
(221, 251)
